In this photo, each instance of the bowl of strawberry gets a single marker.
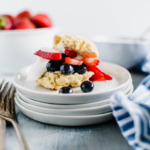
(20, 36)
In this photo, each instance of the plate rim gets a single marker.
(73, 94)
(51, 103)
(63, 116)
(66, 110)
(20, 95)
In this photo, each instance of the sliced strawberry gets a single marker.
(91, 61)
(73, 61)
(70, 53)
(48, 55)
(24, 14)
(108, 77)
(98, 74)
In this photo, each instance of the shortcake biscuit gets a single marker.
(56, 80)
(78, 43)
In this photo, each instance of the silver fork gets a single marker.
(2, 122)
(7, 112)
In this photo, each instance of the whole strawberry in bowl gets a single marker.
(24, 14)
(20, 36)
(23, 24)
(42, 21)
(5, 23)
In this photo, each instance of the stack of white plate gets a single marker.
(75, 109)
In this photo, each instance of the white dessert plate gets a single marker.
(67, 112)
(65, 120)
(56, 106)
(102, 89)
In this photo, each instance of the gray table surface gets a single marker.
(104, 136)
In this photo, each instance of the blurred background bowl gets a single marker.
(127, 52)
(17, 47)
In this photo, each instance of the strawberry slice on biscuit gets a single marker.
(73, 61)
(48, 55)
(91, 61)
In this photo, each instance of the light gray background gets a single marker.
(89, 17)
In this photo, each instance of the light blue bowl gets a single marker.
(127, 52)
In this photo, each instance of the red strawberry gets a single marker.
(5, 23)
(42, 20)
(12, 18)
(73, 61)
(108, 77)
(24, 14)
(91, 61)
(98, 74)
(23, 24)
(70, 53)
(9, 26)
(48, 55)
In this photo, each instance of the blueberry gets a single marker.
(87, 86)
(80, 69)
(66, 90)
(63, 56)
(53, 65)
(66, 69)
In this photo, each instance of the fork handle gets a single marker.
(2, 133)
(21, 139)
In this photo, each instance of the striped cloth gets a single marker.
(145, 65)
(133, 115)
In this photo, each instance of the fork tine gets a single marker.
(13, 112)
(9, 93)
(3, 95)
(1, 85)
(13, 102)
(8, 98)
(2, 124)
(5, 89)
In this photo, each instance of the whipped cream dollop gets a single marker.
(60, 47)
(78, 57)
(37, 69)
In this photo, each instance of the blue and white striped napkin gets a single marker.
(133, 115)
(145, 65)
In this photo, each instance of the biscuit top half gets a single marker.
(78, 43)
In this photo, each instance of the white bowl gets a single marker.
(17, 47)
(127, 52)
(102, 89)
(65, 120)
